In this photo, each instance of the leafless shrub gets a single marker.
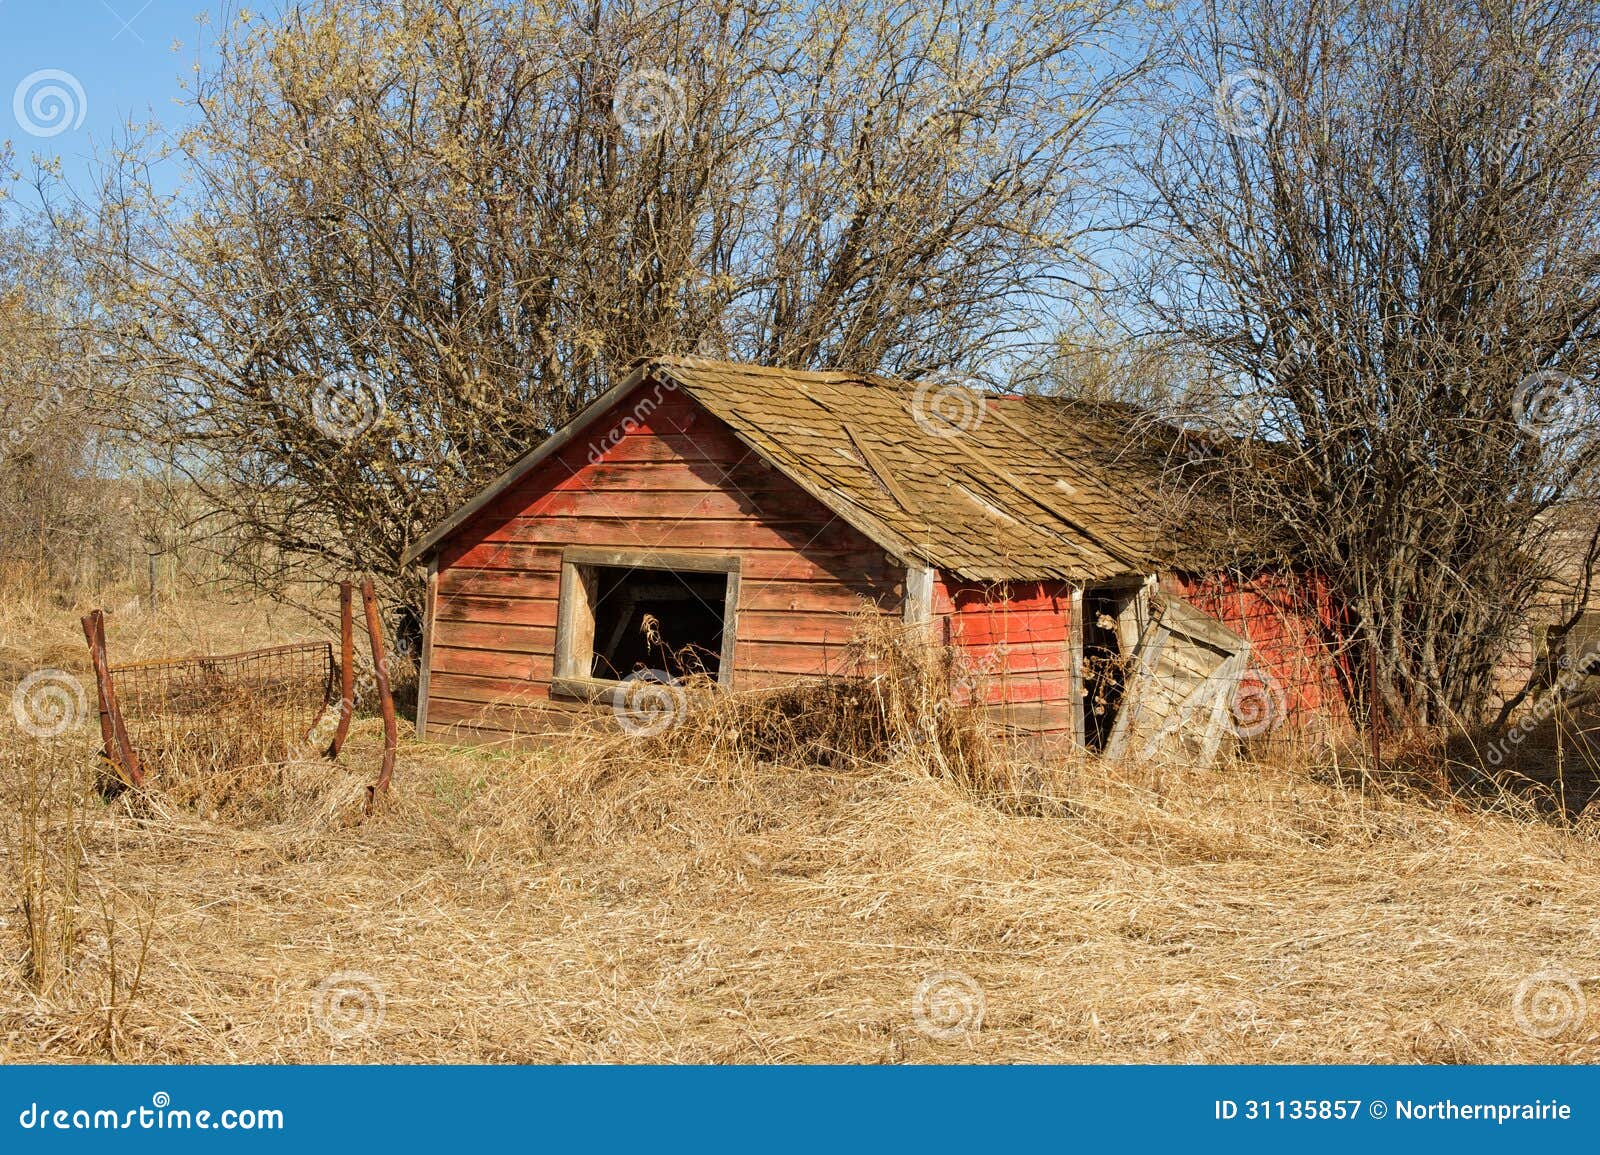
(1379, 226)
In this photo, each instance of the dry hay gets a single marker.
(549, 907)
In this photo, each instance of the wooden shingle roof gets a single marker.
(985, 487)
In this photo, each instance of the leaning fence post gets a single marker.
(119, 751)
(347, 674)
(380, 670)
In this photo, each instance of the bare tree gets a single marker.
(57, 511)
(1379, 218)
(419, 235)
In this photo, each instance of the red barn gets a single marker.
(731, 519)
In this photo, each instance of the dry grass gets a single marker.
(692, 898)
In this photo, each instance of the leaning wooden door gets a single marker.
(1186, 669)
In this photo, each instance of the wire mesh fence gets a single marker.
(227, 709)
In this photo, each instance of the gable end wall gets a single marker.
(657, 473)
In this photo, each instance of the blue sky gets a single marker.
(122, 55)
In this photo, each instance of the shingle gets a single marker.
(982, 502)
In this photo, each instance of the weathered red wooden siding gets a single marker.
(1292, 625)
(658, 473)
(1014, 639)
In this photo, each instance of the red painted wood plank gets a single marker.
(787, 658)
(645, 531)
(466, 553)
(477, 688)
(813, 596)
(495, 636)
(506, 611)
(1022, 689)
(655, 502)
(1029, 660)
(479, 722)
(490, 664)
(688, 476)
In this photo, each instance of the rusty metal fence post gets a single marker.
(380, 669)
(118, 750)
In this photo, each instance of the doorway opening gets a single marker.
(1111, 626)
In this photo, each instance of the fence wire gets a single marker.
(229, 709)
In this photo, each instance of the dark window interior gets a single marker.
(657, 619)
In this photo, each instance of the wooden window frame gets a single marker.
(574, 648)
